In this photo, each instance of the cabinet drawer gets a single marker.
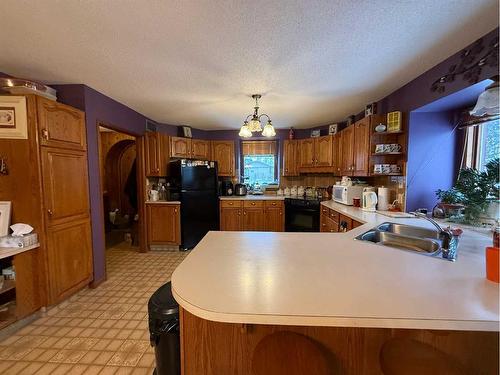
(253, 203)
(274, 203)
(231, 203)
(325, 211)
(334, 215)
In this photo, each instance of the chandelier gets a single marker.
(254, 125)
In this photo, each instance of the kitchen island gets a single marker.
(237, 288)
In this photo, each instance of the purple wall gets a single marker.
(432, 144)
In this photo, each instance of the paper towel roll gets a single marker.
(383, 199)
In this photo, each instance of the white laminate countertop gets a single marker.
(331, 279)
(163, 202)
(253, 197)
(6, 252)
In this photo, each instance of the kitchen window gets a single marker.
(260, 162)
(482, 144)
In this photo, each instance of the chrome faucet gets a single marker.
(449, 240)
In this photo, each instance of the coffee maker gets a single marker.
(227, 188)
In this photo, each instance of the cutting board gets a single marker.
(396, 215)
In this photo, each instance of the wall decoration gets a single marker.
(394, 121)
(3, 165)
(471, 62)
(5, 208)
(13, 117)
(333, 129)
(186, 130)
(315, 133)
(7, 117)
(371, 109)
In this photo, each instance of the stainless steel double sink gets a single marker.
(405, 237)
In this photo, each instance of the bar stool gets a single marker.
(288, 353)
(402, 356)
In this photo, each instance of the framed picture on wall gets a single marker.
(333, 129)
(5, 208)
(186, 131)
(13, 117)
(315, 133)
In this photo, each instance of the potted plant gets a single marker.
(450, 203)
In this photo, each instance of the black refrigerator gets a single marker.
(195, 184)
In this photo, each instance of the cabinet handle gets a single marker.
(253, 203)
(157, 169)
(175, 210)
(45, 134)
(244, 212)
(239, 213)
(281, 212)
(50, 212)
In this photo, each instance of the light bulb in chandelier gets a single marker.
(245, 131)
(269, 130)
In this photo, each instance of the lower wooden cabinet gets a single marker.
(332, 221)
(264, 216)
(69, 251)
(163, 224)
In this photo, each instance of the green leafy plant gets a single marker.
(451, 196)
(478, 189)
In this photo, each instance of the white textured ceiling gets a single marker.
(197, 62)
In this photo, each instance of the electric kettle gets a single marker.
(369, 201)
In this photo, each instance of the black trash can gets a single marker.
(164, 331)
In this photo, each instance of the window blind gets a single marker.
(258, 148)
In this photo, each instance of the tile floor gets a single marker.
(97, 331)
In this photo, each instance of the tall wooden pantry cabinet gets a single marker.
(48, 185)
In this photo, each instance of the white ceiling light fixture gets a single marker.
(488, 102)
(254, 125)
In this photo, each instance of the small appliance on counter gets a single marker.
(383, 198)
(345, 193)
(369, 199)
(240, 190)
(227, 188)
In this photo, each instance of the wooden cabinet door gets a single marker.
(230, 219)
(347, 156)
(180, 147)
(152, 153)
(200, 149)
(290, 158)
(336, 153)
(223, 154)
(65, 185)
(361, 147)
(61, 125)
(163, 223)
(254, 219)
(323, 151)
(307, 156)
(275, 218)
(28, 282)
(345, 223)
(69, 255)
(323, 222)
(156, 153)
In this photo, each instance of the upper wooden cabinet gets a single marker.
(337, 152)
(156, 153)
(200, 149)
(316, 153)
(361, 147)
(290, 158)
(60, 125)
(323, 151)
(347, 151)
(164, 223)
(307, 154)
(223, 154)
(180, 147)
